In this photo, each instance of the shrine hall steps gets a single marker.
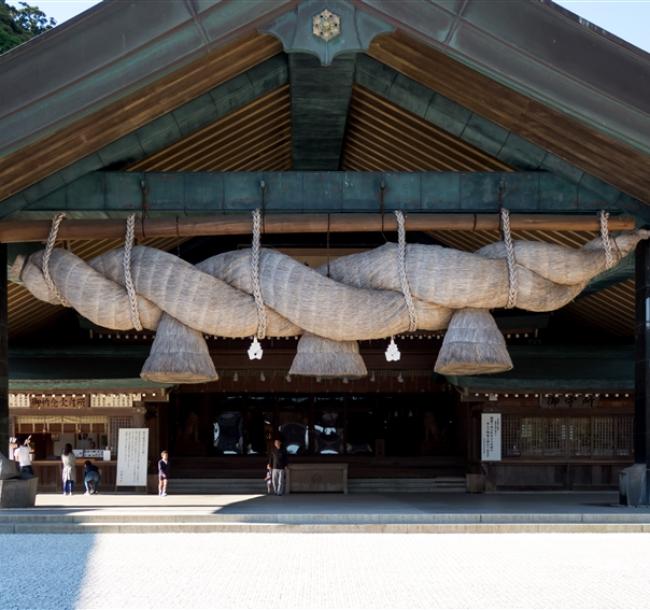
(361, 486)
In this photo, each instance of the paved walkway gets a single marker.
(329, 571)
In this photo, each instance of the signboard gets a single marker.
(114, 400)
(69, 401)
(132, 452)
(491, 437)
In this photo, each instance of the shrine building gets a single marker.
(403, 237)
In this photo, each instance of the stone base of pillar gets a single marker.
(633, 485)
(18, 493)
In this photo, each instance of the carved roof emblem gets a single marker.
(327, 25)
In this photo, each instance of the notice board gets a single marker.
(132, 454)
(491, 437)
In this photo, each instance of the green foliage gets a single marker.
(18, 24)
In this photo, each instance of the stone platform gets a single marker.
(398, 513)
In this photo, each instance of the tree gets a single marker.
(18, 24)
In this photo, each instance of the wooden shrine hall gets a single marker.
(228, 222)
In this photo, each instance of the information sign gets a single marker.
(132, 452)
(491, 437)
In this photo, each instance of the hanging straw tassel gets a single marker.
(179, 354)
(320, 357)
(473, 345)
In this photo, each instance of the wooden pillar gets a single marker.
(642, 356)
(4, 354)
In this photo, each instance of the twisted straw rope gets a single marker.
(401, 266)
(49, 247)
(604, 235)
(128, 279)
(510, 259)
(255, 275)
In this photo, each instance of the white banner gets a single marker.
(491, 437)
(132, 453)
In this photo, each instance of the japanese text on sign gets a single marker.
(132, 452)
(491, 437)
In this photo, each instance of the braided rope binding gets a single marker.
(49, 247)
(255, 275)
(604, 236)
(128, 279)
(401, 266)
(510, 258)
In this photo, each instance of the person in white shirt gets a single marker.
(23, 455)
(68, 470)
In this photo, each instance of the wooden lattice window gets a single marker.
(567, 437)
(115, 424)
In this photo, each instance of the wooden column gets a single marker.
(4, 354)
(642, 356)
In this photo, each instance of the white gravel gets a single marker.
(372, 571)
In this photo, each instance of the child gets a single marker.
(163, 473)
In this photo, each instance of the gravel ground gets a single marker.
(373, 571)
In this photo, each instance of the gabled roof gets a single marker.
(130, 62)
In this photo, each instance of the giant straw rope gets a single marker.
(376, 294)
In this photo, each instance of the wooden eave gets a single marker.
(593, 114)
(41, 159)
(585, 147)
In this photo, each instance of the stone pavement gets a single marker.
(443, 512)
(328, 571)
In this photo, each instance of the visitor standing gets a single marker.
(68, 472)
(278, 464)
(22, 455)
(163, 473)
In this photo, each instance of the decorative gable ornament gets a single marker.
(326, 25)
(314, 27)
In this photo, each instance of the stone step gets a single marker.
(258, 486)
(190, 527)
(411, 485)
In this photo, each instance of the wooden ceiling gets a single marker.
(611, 309)
(383, 137)
(255, 137)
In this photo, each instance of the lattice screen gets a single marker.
(115, 425)
(601, 436)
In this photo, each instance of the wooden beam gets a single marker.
(12, 231)
(320, 96)
(205, 192)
